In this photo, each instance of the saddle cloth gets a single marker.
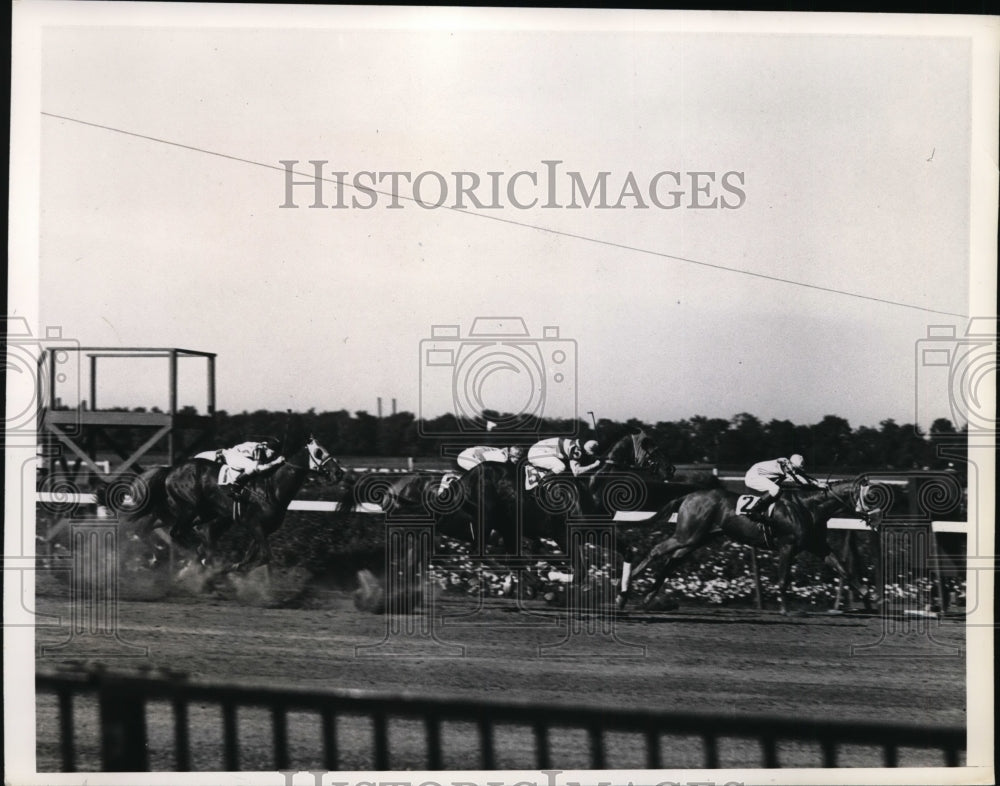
(746, 501)
(227, 474)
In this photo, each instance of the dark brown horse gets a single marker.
(491, 500)
(798, 523)
(418, 497)
(188, 497)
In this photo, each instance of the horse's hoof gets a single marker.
(621, 602)
(661, 603)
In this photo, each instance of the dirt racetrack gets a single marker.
(727, 661)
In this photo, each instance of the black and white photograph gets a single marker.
(452, 396)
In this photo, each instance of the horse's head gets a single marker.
(322, 462)
(648, 456)
(858, 496)
(868, 500)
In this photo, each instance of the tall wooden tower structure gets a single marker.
(78, 435)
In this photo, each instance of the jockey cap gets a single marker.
(591, 446)
(797, 461)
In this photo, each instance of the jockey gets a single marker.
(589, 455)
(471, 457)
(557, 454)
(766, 476)
(249, 459)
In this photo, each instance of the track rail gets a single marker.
(326, 506)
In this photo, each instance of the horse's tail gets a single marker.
(663, 514)
(134, 496)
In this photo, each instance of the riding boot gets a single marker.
(238, 488)
(758, 512)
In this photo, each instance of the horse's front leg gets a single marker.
(625, 585)
(785, 555)
(212, 529)
(258, 543)
(864, 593)
(182, 533)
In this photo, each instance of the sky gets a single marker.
(852, 159)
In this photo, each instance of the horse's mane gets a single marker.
(839, 487)
(630, 438)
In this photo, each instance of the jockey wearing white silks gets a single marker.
(472, 457)
(766, 476)
(251, 457)
(557, 454)
(245, 460)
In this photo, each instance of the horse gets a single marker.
(188, 495)
(798, 523)
(491, 500)
(419, 496)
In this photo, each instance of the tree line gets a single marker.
(738, 441)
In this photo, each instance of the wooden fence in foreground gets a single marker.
(122, 700)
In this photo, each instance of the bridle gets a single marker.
(645, 457)
(871, 516)
(320, 460)
(653, 460)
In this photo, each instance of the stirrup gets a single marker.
(758, 512)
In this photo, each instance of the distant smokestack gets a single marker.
(394, 406)
(379, 407)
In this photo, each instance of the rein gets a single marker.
(314, 465)
(311, 467)
(859, 507)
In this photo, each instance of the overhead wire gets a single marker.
(522, 224)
